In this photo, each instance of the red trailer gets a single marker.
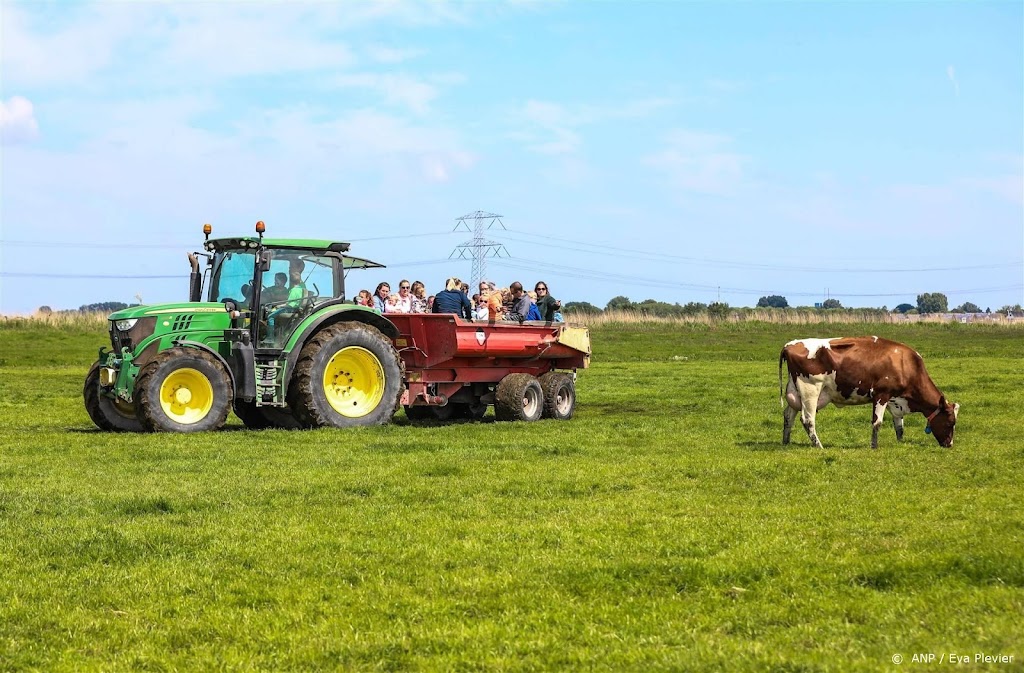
(455, 368)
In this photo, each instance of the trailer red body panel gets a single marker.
(445, 355)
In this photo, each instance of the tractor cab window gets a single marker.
(295, 283)
(232, 277)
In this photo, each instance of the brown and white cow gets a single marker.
(861, 370)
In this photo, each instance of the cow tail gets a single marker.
(782, 389)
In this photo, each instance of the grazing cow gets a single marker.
(861, 370)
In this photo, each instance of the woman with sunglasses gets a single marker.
(403, 302)
(546, 304)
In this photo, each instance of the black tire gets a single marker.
(559, 395)
(251, 416)
(518, 398)
(261, 418)
(281, 418)
(357, 378)
(448, 412)
(108, 414)
(419, 413)
(163, 410)
(474, 411)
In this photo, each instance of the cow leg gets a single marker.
(898, 411)
(791, 406)
(788, 416)
(810, 391)
(878, 413)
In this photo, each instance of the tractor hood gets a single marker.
(166, 309)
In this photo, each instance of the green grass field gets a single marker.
(664, 528)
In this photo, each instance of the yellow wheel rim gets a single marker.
(186, 396)
(126, 409)
(354, 382)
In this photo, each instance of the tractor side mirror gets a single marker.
(265, 261)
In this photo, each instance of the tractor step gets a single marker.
(268, 384)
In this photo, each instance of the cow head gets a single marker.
(944, 422)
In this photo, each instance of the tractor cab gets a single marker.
(276, 283)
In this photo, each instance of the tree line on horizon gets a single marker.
(929, 302)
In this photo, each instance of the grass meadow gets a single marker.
(663, 528)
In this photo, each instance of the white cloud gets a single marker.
(396, 89)
(951, 74)
(61, 53)
(17, 121)
(700, 163)
(552, 128)
(390, 55)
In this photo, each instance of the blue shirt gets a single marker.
(453, 301)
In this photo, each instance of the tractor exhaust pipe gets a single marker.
(195, 279)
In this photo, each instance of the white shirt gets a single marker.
(404, 304)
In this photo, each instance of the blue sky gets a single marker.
(669, 150)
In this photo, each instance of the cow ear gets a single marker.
(942, 402)
(956, 411)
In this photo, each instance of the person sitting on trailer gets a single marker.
(453, 300)
(534, 313)
(479, 307)
(521, 303)
(380, 297)
(364, 299)
(547, 304)
(419, 297)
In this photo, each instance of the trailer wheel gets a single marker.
(518, 398)
(106, 413)
(347, 375)
(184, 390)
(559, 395)
(474, 411)
(448, 411)
(418, 413)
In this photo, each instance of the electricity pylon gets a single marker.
(478, 248)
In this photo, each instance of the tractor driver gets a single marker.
(296, 288)
(296, 292)
(278, 292)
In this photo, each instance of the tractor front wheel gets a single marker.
(518, 398)
(347, 375)
(184, 390)
(106, 413)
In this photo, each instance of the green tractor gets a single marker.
(276, 340)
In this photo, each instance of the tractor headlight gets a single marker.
(125, 325)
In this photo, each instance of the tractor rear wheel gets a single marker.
(184, 390)
(347, 375)
(559, 395)
(106, 413)
(518, 398)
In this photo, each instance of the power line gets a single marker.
(186, 246)
(591, 274)
(85, 276)
(627, 253)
